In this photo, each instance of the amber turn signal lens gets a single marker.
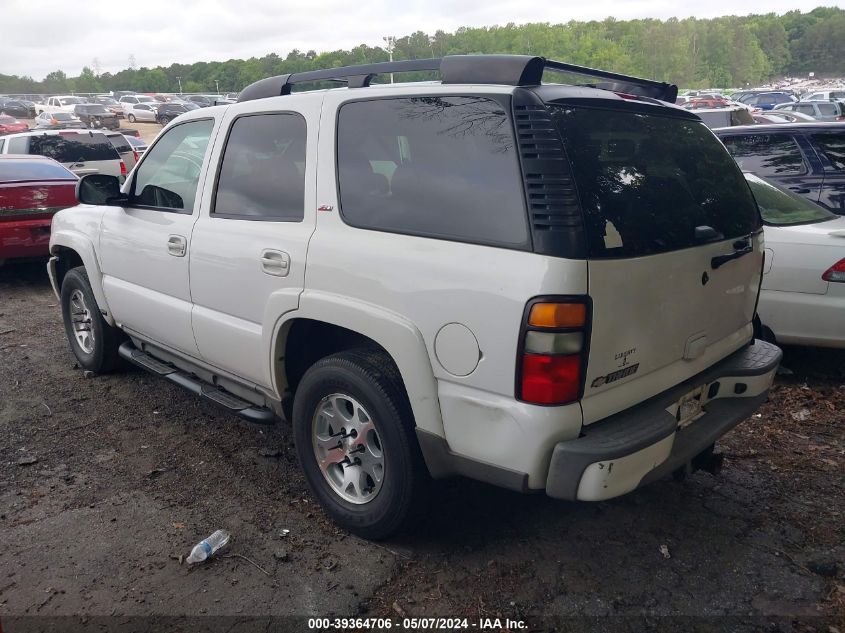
(558, 315)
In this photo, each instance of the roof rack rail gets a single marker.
(510, 70)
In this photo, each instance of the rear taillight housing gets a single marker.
(553, 342)
(123, 171)
(135, 154)
(835, 273)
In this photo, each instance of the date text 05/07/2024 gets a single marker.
(417, 624)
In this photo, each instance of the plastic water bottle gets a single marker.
(207, 547)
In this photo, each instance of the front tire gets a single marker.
(93, 341)
(130, 118)
(354, 435)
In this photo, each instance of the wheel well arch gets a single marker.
(303, 341)
(68, 259)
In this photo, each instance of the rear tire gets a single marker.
(130, 118)
(93, 341)
(355, 440)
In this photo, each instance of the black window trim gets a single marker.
(794, 136)
(503, 99)
(233, 216)
(136, 170)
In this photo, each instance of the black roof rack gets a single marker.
(509, 70)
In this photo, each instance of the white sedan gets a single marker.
(140, 111)
(803, 294)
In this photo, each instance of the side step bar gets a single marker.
(247, 410)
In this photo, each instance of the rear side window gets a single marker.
(442, 167)
(120, 144)
(807, 109)
(766, 154)
(262, 176)
(32, 169)
(73, 148)
(828, 109)
(832, 147)
(647, 182)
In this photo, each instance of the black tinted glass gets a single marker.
(120, 144)
(73, 148)
(766, 154)
(832, 147)
(647, 182)
(263, 170)
(441, 167)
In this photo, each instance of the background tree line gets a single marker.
(721, 52)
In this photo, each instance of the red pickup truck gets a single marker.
(32, 189)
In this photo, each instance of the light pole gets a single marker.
(390, 41)
(217, 86)
(179, 79)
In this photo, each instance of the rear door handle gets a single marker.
(276, 263)
(177, 245)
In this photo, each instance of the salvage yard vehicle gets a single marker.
(10, 125)
(541, 286)
(94, 116)
(802, 299)
(32, 189)
(807, 158)
(82, 152)
(59, 104)
(58, 121)
(140, 111)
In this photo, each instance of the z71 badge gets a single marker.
(616, 375)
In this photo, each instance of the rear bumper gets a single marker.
(644, 443)
(25, 238)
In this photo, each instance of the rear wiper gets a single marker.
(741, 247)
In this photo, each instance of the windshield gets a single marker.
(647, 182)
(63, 116)
(781, 207)
(145, 99)
(93, 109)
(71, 100)
(106, 101)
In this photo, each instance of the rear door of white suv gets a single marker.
(247, 263)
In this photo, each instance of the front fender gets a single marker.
(397, 335)
(84, 247)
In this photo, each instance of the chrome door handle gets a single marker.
(177, 245)
(276, 263)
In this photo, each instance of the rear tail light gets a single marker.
(135, 154)
(840, 118)
(835, 272)
(122, 168)
(551, 365)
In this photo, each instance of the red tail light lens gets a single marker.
(835, 273)
(550, 379)
(553, 340)
(122, 168)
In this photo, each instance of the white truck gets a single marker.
(64, 103)
(541, 286)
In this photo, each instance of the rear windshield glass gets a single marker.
(32, 170)
(781, 207)
(92, 109)
(71, 148)
(647, 182)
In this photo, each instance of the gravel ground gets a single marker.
(106, 481)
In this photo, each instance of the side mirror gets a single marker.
(100, 189)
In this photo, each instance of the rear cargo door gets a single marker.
(674, 247)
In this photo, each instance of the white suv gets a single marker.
(545, 287)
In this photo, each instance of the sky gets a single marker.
(161, 32)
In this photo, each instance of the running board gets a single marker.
(197, 386)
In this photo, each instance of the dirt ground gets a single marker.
(106, 481)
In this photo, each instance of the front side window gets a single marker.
(766, 154)
(807, 109)
(647, 182)
(832, 147)
(262, 175)
(169, 175)
(441, 167)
